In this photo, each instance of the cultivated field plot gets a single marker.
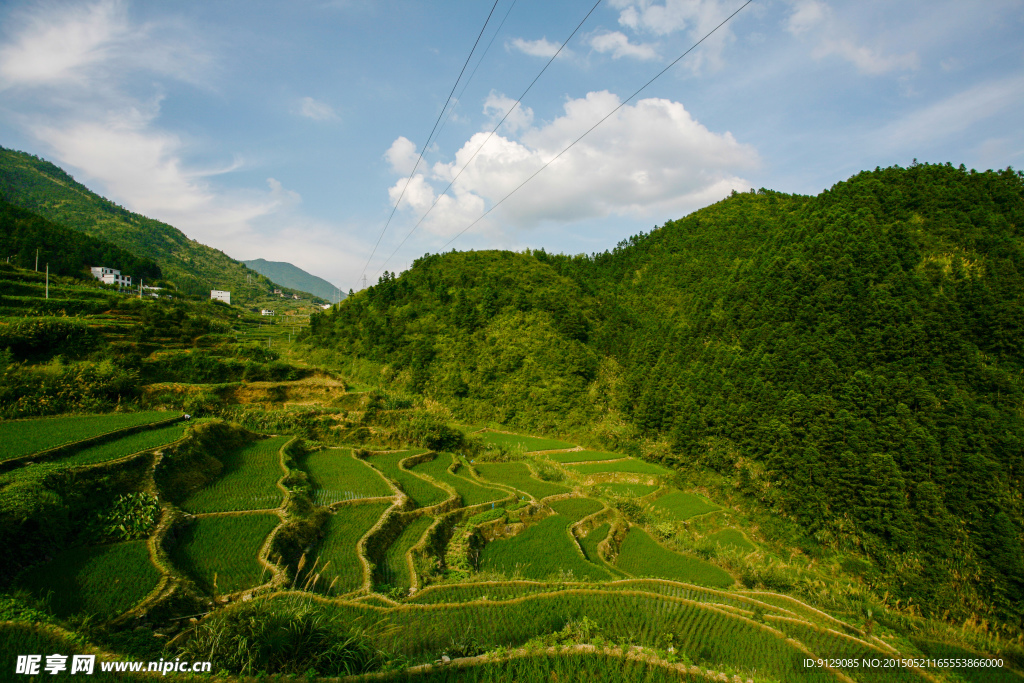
(583, 456)
(337, 476)
(641, 556)
(517, 475)
(221, 553)
(542, 551)
(23, 437)
(422, 492)
(346, 526)
(102, 580)
(630, 465)
(247, 482)
(623, 490)
(470, 492)
(733, 538)
(682, 506)
(576, 508)
(527, 443)
(395, 570)
(127, 445)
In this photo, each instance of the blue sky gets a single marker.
(287, 130)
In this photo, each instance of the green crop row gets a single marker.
(221, 553)
(470, 492)
(339, 566)
(101, 580)
(395, 570)
(247, 482)
(576, 508)
(682, 506)
(734, 538)
(337, 476)
(583, 456)
(127, 445)
(517, 475)
(24, 437)
(626, 490)
(640, 555)
(527, 443)
(631, 465)
(421, 492)
(542, 551)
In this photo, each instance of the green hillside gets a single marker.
(43, 188)
(851, 362)
(287, 275)
(26, 237)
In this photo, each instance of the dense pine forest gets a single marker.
(850, 361)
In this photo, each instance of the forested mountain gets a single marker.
(288, 275)
(851, 361)
(45, 189)
(66, 251)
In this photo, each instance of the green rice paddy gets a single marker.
(681, 506)
(344, 529)
(734, 538)
(583, 456)
(471, 492)
(641, 556)
(576, 508)
(127, 445)
(528, 444)
(337, 476)
(541, 551)
(102, 580)
(421, 492)
(395, 571)
(629, 465)
(247, 482)
(221, 553)
(24, 437)
(623, 490)
(517, 475)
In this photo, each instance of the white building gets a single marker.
(111, 276)
(220, 295)
(266, 311)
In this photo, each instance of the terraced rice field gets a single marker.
(629, 465)
(583, 456)
(337, 476)
(627, 490)
(422, 492)
(528, 444)
(24, 437)
(681, 506)
(576, 508)
(128, 445)
(733, 538)
(470, 492)
(221, 552)
(347, 525)
(517, 475)
(641, 556)
(103, 580)
(247, 482)
(395, 570)
(541, 551)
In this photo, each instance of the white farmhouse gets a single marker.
(219, 295)
(111, 276)
(266, 311)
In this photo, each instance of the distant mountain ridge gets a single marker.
(292, 276)
(43, 188)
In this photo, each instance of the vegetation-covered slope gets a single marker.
(288, 275)
(851, 361)
(43, 188)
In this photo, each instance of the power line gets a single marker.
(490, 135)
(431, 136)
(607, 116)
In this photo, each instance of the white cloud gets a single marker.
(648, 157)
(538, 48)
(942, 120)
(318, 111)
(496, 105)
(696, 17)
(402, 156)
(815, 19)
(618, 44)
